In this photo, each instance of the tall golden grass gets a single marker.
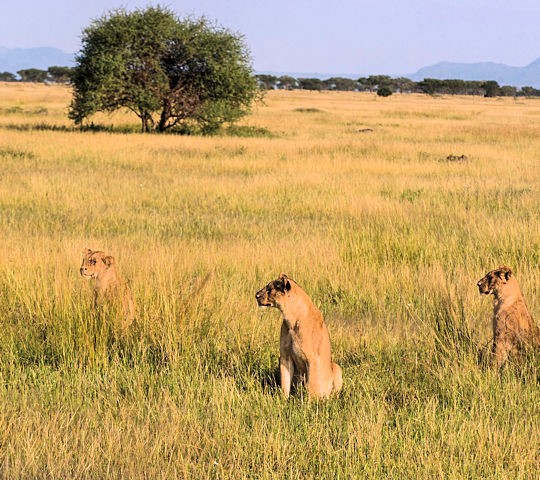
(349, 194)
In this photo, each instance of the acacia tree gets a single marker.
(32, 75)
(171, 73)
(491, 87)
(7, 77)
(59, 74)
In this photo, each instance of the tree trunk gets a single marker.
(165, 115)
(146, 122)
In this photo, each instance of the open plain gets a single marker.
(351, 195)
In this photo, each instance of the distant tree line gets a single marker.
(53, 74)
(385, 85)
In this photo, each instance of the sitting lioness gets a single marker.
(304, 346)
(109, 289)
(513, 327)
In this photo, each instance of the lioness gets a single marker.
(304, 346)
(512, 324)
(108, 287)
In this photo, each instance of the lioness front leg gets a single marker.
(286, 373)
(499, 354)
(286, 364)
(337, 377)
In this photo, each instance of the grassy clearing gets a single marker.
(353, 199)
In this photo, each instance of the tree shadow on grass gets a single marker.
(27, 127)
(230, 131)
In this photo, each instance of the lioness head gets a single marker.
(494, 280)
(95, 263)
(270, 295)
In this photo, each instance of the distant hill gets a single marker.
(503, 74)
(14, 59)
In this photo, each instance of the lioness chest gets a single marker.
(300, 348)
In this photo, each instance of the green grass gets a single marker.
(386, 239)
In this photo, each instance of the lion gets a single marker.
(304, 347)
(513, 327)
(108, 286)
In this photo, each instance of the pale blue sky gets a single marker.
(342, 36)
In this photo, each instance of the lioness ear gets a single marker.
(108, 260)
(86, 251)
(285, 280)
(504, 272)
(286, 284)
(507, 272)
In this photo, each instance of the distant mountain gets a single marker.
(503, 74)
(14, 59)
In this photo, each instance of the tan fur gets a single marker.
(304, 346)
(109, 288)
(513, 327)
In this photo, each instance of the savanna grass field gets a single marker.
(351, 195)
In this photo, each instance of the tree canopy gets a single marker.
(7, 77)
(59, 74)
(172, 73)
(32, 75)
